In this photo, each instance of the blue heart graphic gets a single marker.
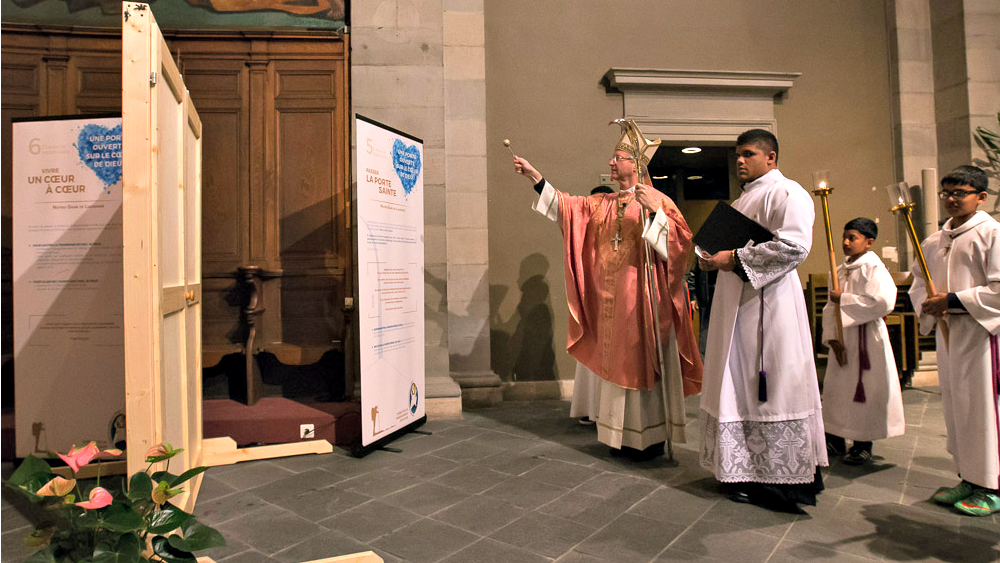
(100, 149)
(406, 161)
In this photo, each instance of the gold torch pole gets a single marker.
(637, 149)
(823, 190)
(900, 195)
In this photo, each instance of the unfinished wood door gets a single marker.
(161, 215)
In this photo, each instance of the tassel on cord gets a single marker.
(762, 375)
(863, 364)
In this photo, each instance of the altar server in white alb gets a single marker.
(964, 262)
(762, 419)
(861, 400)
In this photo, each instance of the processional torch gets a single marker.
(639, 145)
(823, 189)
(902, 203)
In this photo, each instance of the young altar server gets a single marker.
(964, 263)
(861, 400)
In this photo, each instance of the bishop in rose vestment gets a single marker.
(611, 321)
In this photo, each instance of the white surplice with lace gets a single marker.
(780, 440)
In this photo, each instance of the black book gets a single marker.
(727, 229)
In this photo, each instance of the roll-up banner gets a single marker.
(69, 381)
(390, 230)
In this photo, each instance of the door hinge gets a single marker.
(152, 78)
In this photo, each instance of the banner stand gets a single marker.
(390, 268)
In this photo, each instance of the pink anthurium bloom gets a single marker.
(57, 487)
(99, 498)
(76, 459)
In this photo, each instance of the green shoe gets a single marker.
(955, 494)
(981, 503)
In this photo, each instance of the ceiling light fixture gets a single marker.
(696, 177)
(691, 150)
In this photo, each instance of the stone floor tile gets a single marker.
(425, 541)
(630, 538)
(794, 552)
(473, 478)
(321, 546)
(740, 515)
(674, 506)
(459, 433)
(295, 485)
(577, 557)
(708, 539)
(232, 547)
(552, 450)
(378, 483)
(350, 466)
(494, 552)
(843, 535)
(546, 535)
(505, 441)
(425, 498)
(269, 529)
(249, 474)
(511, 464)
(369, 521)
(525, 493)
(223, 509)
(427, 467)
(321, 504)
(585, 508)
(618, 485)
(250, 556)
(480, 515)
(421, 445)
(560, 473)
(212, 488)
(465, 451)
(300, 463)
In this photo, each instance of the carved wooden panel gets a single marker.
(275, 174)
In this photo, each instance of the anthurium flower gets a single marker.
(162, 492)
(99, 498)
(76, 459)
(57, 487)
(160, 452)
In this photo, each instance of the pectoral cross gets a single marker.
(617, 239)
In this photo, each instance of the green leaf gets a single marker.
(121, 518)
(127, 550)
(139, 487)
(197, 536)
(170, 554)
(164, 476)
(168, 519)
(187, 475)
(30, 476)
(43, 555)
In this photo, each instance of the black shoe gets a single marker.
(654, 451)
(857, 457)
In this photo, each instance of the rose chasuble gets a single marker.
(611, 318)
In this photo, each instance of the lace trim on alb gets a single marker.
(777, 453)
(768, 261)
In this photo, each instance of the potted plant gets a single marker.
(132, 524)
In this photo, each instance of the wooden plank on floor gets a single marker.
(223, 451)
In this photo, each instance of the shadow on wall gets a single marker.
(522, 345)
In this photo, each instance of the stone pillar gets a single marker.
(912, 77)
(966, 38)
(466, 215)
(397, 78)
